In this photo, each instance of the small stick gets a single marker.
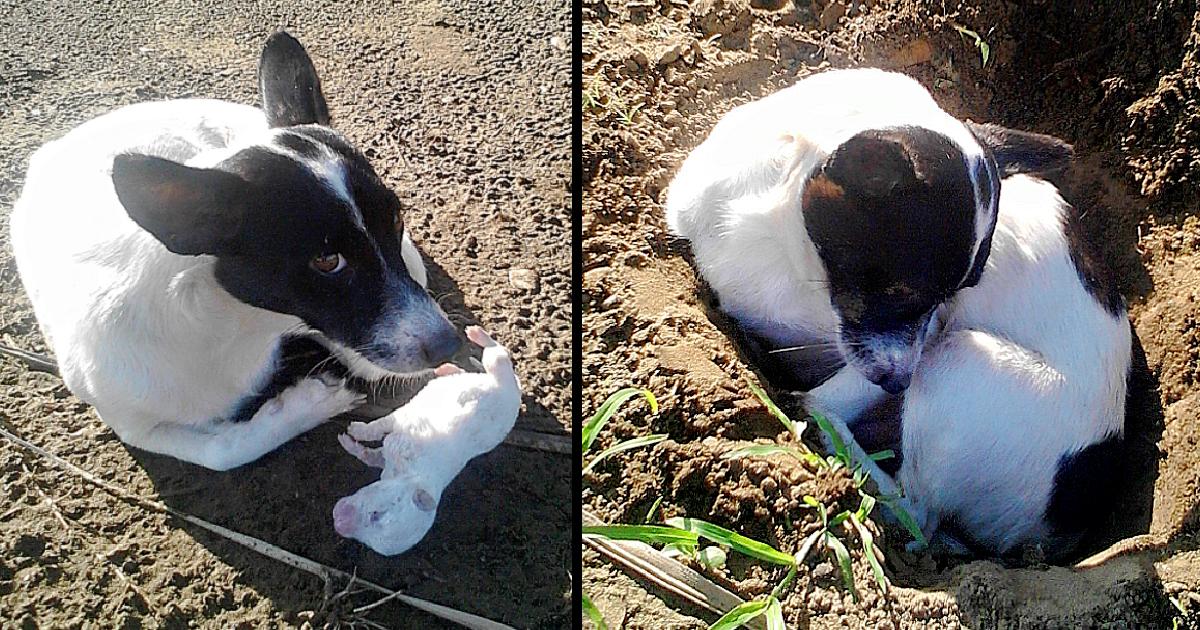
(261, 546)
(646, 562)
(32, 360)
(47, 500)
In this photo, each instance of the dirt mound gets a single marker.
(464, 109)
(1116, 81)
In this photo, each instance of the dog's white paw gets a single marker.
(316, 397)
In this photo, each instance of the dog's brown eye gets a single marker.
(328, 264)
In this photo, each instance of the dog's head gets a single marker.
(902, 219)
(299, 224)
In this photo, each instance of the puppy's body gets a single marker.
(426, 443)
(156, 294)
(1018, 372)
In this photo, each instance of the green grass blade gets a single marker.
(868, 545)
(907, 521)
(652, 510)
(758, 450)
(866, 507)
(637, 442)
(674, 550)
(652, 534)
(740, 615)
(767, 450)
(593, 613)
(774, 614)
(734, 540)
(882, 455)
(843, 559)
(608, 408)
(777, 592)
(839, 446)
(712, 557)
(795, 427)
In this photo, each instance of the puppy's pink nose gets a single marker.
(345, 517)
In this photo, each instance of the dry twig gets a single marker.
(646, 562)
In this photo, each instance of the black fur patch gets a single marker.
(300, 357)
(291, 216)
(288, 83)
(1083, 488)
(800, 369)
(1096, 277)
(893, 218)
(1022, 151)
(988, 177)
(301, 144)
(880, 428)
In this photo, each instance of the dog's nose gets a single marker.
(895, 382)
(439, 348)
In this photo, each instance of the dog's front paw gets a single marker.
(322, 397)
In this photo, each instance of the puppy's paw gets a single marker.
(446, 369)
(368, 456)
(368, 431)
(479, 337)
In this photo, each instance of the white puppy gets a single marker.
(426, 443)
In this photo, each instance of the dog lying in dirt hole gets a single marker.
(210, 274)
(915, 277)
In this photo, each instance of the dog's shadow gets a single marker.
(504, 521)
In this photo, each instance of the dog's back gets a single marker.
(102, 287)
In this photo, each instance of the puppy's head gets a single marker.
(903, 219)
(389, 516)
(299, 224)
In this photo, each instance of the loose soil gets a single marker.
(464, 108)
(1116, 79)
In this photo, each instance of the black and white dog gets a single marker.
(206, 272)
(893, 261)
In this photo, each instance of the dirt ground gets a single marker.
(463, 108)
(1116, 79)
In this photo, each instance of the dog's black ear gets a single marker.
(1022, 151)
(288, 83)
(191, 211)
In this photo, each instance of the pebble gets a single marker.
(830, 16)
(525, 279)
(670, 55)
